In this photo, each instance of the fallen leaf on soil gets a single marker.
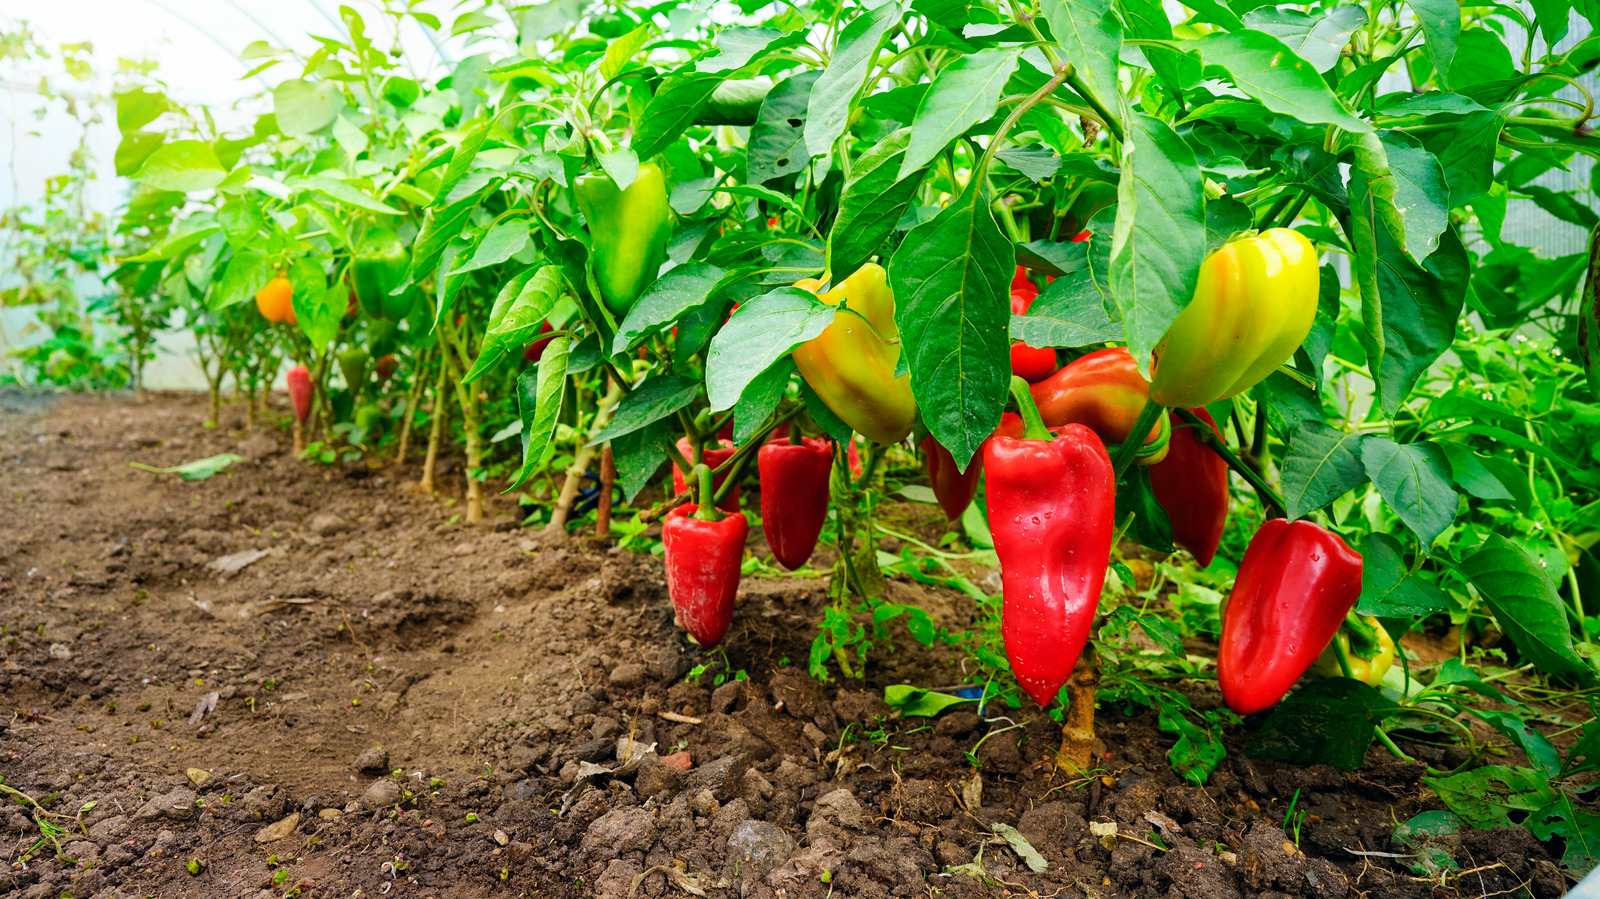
(1024, 849)
(206, 704)
(237, 562)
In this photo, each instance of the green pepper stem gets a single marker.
(1033, 427)
(1128, 450)
(1209, 437)
(707, 510)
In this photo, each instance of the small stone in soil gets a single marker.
(278, 830)
(381, 794)
(374, 759)
(627, 675)
(198, 776)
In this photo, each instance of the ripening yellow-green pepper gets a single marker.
(1252, 308)
(1369, 670)
(851, 364)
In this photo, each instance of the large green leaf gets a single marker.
(1322, 464)
(302, 107)
(666, 300)
(186, 165)
(671, 111)
(1160, 234)
(540, 392)
(1267, 70)
(1407, 191)
(737, 46)
(777, 140)
(1389, 588)
(514, 325)
(1090, 35)
(963, 94)
(1326, 722)
(758, 333)
(842, 81)
(1414, 479)
(1070, 312)
(1318, 38)
(951, 279)
(1526, 605)
(1441, 29)
(1420, 306)
(872, 204)
(655, 399)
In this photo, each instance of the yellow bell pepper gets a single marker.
(1369, 670)
(851, 364)
(1253, 307)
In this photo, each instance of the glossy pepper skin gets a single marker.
(1031, 364)
(1295, 585)
(1052, 510)
(378, 268)
(535, 350)
(298, 380)
(851, 364)
(1191, 483)
(1252, 308)
(712, 456)
(1020, 283)
(952, 487)
(275, 302)
(628, 231)
(1105, 392)
(794, 496)
(703, 559)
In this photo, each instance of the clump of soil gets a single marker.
(293, 678)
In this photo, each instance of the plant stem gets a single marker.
(1128, 450)
(1269, 496)
(1033, 426)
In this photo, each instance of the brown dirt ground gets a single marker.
(424, 709)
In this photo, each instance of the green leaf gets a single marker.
(917, 702)
(1326, 722)
(963, 94)
(439, 227)
(759, 398)
(1488, 796)
(1070, 312)
(190, 234)
(1322, 464)
(1389, 589)
(346, 193)
(1471, 472)
(655, 399)
(1159, 238)
(665, 301)
(1090, 36)
(1036, 163)
(1415, 319)
(759, 332)
(1317, 38)
(842, 81)
(1441, 29)
(638, 456)
(186, 165)
(138, 107)
(1414, 479)
(198, 470)
(822, 415)
(134, 149)
(1532, 743)
(1467, 154)
(540, 393)
(872, 204)
(505, 239)
(622, 50)
(1526, 605)
(737, 46)
(1407, 191)
(244, 277)
(1405, 103)
(671, 111)
(318, 307)
(952, 278)
(777, 140)
(1267, 70)
(303, 108)
(461, 161)
(515, 324)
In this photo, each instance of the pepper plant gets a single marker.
(1145, 282)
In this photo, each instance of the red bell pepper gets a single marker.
(703, 558)
(299, 384)
(1191, 483)
(1052, 512)
(1020, 283)
(1105, 392)
(712, 456)
(1031, 364)
(1295, 586)
(535, 350)
(794, 496)
(952, 487)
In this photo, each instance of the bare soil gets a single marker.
(294, 678)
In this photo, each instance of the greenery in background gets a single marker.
(1437, 416)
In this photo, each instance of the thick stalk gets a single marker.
(435, 433)
(608, 477)
(469, 415)
(1269, 497)
(580, 464)
(1128, 450)
(413, 394)
(1077, 729)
